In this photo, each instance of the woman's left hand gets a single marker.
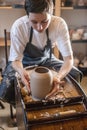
(55, 88)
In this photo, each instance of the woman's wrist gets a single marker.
(58, 77)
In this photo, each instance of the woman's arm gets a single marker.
(64, 70)
(66, 67)
(18, 66)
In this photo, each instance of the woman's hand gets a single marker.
(24, 75)
(25, 79)
(55, 88)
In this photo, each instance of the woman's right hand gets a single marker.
(25, 79)
(24, 75)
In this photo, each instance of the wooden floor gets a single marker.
(5, 119)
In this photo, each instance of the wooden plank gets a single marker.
(2, 42)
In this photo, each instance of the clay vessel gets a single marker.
(41, 81)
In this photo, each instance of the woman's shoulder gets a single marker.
(21, 21)
(57, 19)
(21, 24)
(57, 22)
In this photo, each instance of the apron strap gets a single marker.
(31, 34)
(49, 42)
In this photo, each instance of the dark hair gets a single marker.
(38, 6)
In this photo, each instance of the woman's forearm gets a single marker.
(18, 66)
(66, 67)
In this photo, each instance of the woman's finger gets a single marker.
(26, 81)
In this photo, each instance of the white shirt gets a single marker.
(20, 33)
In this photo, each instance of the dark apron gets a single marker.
(32, 56)
(35, 56)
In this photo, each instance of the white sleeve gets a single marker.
(18, 43)
(64, 43)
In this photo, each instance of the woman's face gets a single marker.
(39, 21)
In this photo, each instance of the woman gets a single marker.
(32, 38)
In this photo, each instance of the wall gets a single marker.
(7, 17)
(75, 17)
